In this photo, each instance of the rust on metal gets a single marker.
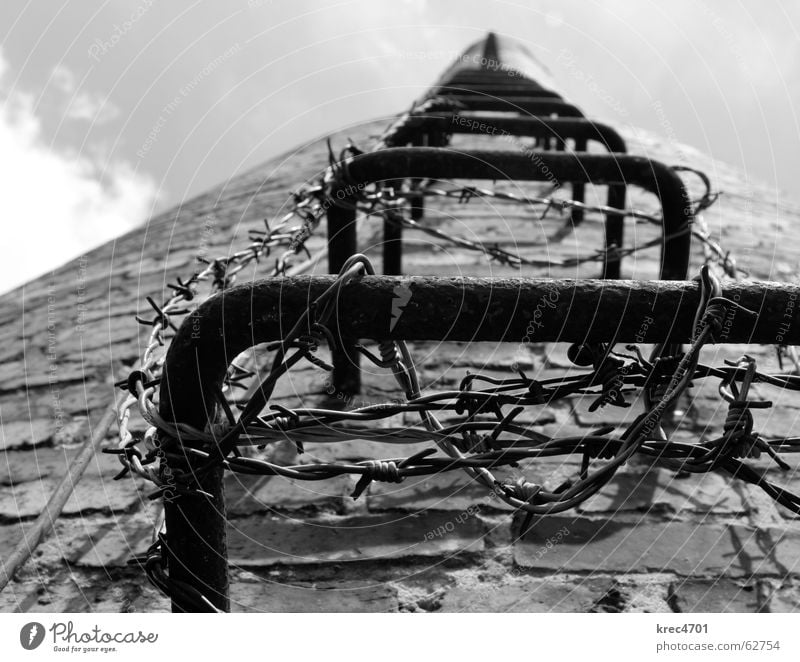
(455, 309)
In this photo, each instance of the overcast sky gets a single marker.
(113, 111)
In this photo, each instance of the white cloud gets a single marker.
(55, 206)
(63, 79)
(91, 108)
(80, 104)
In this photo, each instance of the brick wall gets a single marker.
(650, 541)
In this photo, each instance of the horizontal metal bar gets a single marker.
(499, 78)
(539, 127)
(443, 163)
(516, 310)
(499, 89)
(524, 105)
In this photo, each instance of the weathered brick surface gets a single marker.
(683, 547)
(716, 596)
(23, 434)
(75, 591)
(253, 494)
(271, 596)
(27, 479)
(528, 594)
(264, 541)
(28, 499)
(784, 596)
(335, 554)
(645, 488)
(10, 535)
(452, 491)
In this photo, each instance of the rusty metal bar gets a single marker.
(439, 309)
(342, 243)
(536, 106)
(544, 127)
(579, 193)
(458, 309)
(471, 79)
(493, 88)
(196, 542)
(392, 246)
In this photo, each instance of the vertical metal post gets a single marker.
(342, 243)
(197, 546)
(418, 201)
(417, 206)
(393, 231)
(615, 228)
(392, 243)
(578, 188)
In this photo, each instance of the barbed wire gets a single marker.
(479, 434)
(309, 205)
(500, 442)
(383, 203)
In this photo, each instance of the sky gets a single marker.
(111, 112)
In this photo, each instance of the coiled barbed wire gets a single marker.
(484, 438)
(489, 443)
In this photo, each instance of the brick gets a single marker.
(721, 596)
(529, 594)
(781, 419)
(23, 493)
(785, 598)
(271, 596)
(149, 599)
(24, 434)
(51, 552)
(99, 542)
(788, 480)
(251, 494)
(640, 594)
(33, 464)
(451, 491)
(65, 592)
(660, 489)
(89, 495)
(86, 397)
(21, 466)
(265, 541)
(10, 535)
(684, 548)
(39, 373)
